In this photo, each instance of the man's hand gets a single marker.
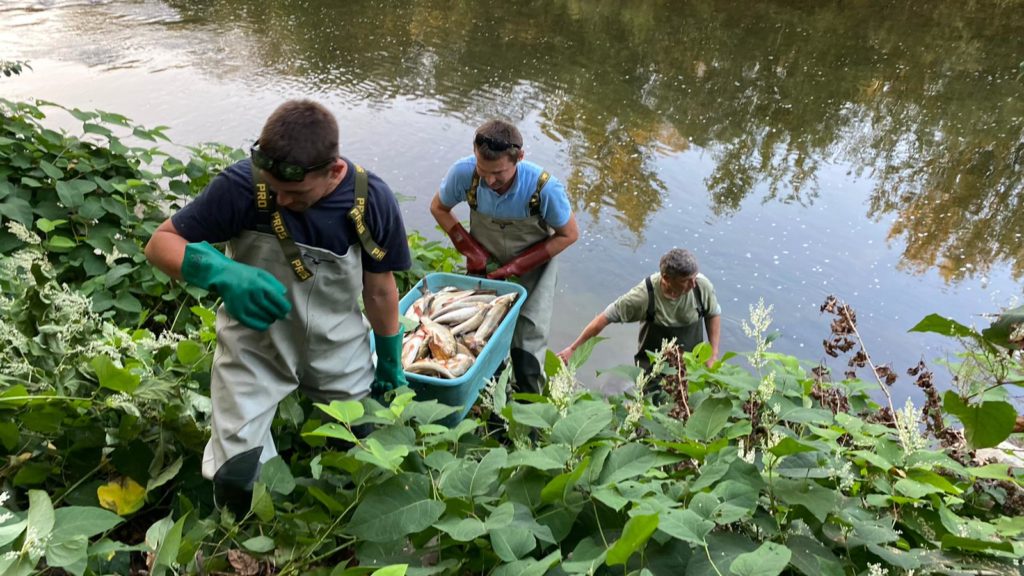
(251, 295)
(476, 255)
(566, 354)
(389, 374)
(533, 257)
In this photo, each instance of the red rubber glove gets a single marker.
(476, 255)
(533, 257)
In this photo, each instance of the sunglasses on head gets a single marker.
(495, 145)
(282, 170)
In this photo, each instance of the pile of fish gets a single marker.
(454, 326)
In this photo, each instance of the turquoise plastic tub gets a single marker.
(464, 390)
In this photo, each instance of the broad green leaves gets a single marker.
(395, 508)
(986, 424)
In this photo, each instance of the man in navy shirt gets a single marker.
(519, 219)
(307, 233)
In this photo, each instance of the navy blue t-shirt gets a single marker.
(227, 207)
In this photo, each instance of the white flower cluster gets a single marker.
(766, 388)
(760, 320)
(22, 233)
(908, 428)
(4, 497)
(877, 570)
(562, 388)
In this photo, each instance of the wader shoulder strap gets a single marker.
(701, 311)
(471, 193)
(357, 213)
(266, 205)
(650, 301)
(534, 200)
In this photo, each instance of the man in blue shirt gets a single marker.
(519, 219)
(307, 232)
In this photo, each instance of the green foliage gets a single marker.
(13, 67)
(756, 474)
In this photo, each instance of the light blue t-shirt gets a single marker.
(513, 204)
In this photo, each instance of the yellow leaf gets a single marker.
(122, 496)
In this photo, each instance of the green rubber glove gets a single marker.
(251, 295)
(389, 373)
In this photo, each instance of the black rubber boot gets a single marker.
(233, 482)
(529, 377)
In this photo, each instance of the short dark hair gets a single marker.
(678, 263)
(497, 138)
(301, 132)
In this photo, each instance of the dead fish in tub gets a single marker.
(450, 369)
(460, 315)
(439, 340)
(495, 314)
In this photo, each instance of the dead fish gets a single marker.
(439, 340)
(413, 346)
(428, 367)
(419, 307)
(443, 299)
(472, 323)
(460, 364)
(476, 297)
(459, 315)
(495, 314)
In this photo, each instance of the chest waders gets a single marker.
(652, 334)
(321, 348)
(505, 239)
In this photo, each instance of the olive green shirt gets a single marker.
(632, 306)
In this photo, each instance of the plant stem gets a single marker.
(77, 484)
(708, 553)
(874, 370)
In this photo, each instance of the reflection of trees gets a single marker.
(923, 98)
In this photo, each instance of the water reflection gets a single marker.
(924, 98)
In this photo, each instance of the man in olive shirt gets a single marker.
(669, 304)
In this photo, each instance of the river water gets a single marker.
(868, 149)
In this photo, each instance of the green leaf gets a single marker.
(812, 558)
(60, 243)
(560, 485)
(788, 446)
(259, 544)
(72, 193)
(262, 504)
(189, 352)
(164, 476)
(41, 517)
(512, 543)
(950, 541)
(635, 534)
(85, 521)
(112, 377)
(722, 550)
(462, 529)
(685, 525)
(333, 430)
(388, 458)
(770, 559)
(710, 417)
(17, 209)
(468, 478)
(945, 326)
(277, 477)
(537, 415)
(915, 489)
(427, 412)
(392, 570)
(10, 531)
(346, 411)
(399, 506)
(51, 170)
(818, 500)
(631, 460)
(69, 553)
(584, 421)
(985, 424)
(999, 332)
(550, 457)
(167, 553)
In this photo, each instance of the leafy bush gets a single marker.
(728, 471)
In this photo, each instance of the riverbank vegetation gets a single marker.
(760, 465)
